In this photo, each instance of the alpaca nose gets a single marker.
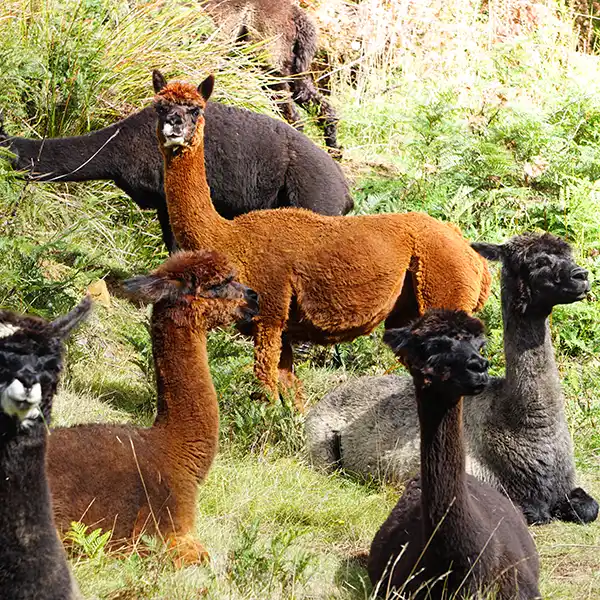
(27, 376)
(251, 298)
(478, 364)
(579, 273)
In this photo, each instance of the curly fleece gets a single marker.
(322, 279)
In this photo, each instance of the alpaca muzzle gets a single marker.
(22, 402)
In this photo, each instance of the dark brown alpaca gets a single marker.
(320, 279)
(450, 536)
(291, 38)
(134, 480)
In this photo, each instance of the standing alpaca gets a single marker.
(450, 536)
(33, 565)
(134, 480)
(516, 431)
(291, 38)
(320, 279)
(252, 162)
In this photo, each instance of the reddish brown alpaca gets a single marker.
(321, 279)
(132, 479)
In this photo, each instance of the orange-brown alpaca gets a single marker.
(134, 480)
(320, 279)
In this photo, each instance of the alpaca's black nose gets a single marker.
(478, 364)
(251, 298)
(579, 273)
(27, 376)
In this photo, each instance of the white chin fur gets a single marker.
(19, 402)
(8, 329)
(178, 141)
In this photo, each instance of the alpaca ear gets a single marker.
(2, 132)
(398, 339)
(158, 80)
(206, 87)
(152, 288)
(489, 251)
(63, 326)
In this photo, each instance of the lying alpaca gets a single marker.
(291, 38)
(450, 536)
(320, 279)
(517, 435)
(33, 565)
(252, 162)
(134, 480)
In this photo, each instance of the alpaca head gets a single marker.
(31, 351)
(203, 281)
(180, 110)
(539, 271)
(442, 349)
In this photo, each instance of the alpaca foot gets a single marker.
(577, 507)
(187, 551)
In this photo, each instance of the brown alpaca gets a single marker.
(134, 480)
(291, 41)
(320, 279)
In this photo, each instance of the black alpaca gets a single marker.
(450, 535)
(33, 565)
(252, 162)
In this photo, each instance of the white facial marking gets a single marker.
(167, 129)
(17, 401)
(8, 329)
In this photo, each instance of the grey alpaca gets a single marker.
(291, 38)
(252, 162)
(450, 535)
(33, 565)
(516, 431)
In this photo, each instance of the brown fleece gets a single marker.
(320, 279)
(135, 480)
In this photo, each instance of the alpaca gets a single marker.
(450, 535)
(516, 432)
(291, 38)
(134, 480)
(33, 564)
(320, 279)
(252, 162)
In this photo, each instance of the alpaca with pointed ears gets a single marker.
(291, 40)
(320, 279)
(134, 480)
(450, 535)
(516, 431)
(252, 162)
(33, 564)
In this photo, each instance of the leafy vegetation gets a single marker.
(498, 134)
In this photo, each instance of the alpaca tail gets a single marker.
(305, 45)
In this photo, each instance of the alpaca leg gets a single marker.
(187, 551)
(305, 95)
(267, 350)
(165, 226)
(287, 379)
(283, 98)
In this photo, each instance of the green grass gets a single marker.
(498, 138)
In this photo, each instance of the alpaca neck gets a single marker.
(532, 378)
(188, 411)
(24, 492)
(80, 158)
(443, 478)
(194, 220)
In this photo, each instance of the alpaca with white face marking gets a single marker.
(33, 565)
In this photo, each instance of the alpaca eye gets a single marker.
(195, 111)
